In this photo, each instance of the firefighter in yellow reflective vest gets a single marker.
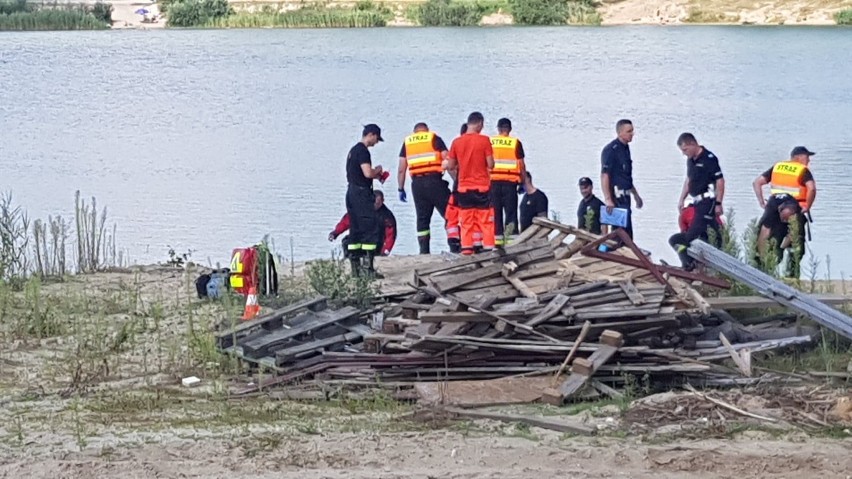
(423, 154)
(791, 177)
(506, 180)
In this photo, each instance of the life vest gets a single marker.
(507, 165)
(787, 178)
(421, 155)
(244, 269)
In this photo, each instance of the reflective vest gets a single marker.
(787, 178)
(421, 155)
(243, 269)
(507, 165)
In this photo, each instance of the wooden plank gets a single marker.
(760, 302)
(506, 253)
(456, 317)
(552, 309)
(493, 392)
(518, 284)
(226, 338)
(632, 292)
(286, 355)
(611, 341)
(451, 282)
(742, 364)
(268, 343)
(542, 422)
(527, 234)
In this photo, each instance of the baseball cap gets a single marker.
(373, 128)
(504, 123)
(801, 150)
(585, 181)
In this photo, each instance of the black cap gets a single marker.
(801, 150)
(373, 128)
(585, 181)
(504, 123)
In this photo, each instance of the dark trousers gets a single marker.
(431, 192)
(504, 197)
(363, 222)
(624, 202)
(702, 224)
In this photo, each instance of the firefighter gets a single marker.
(451, 218)
(423, 154)
(507, 179)
(792, 177)
(471, 155)
(360, 201)
(387, 224)
(774, 232)
(705, 186)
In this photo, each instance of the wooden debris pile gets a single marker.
(549, 303)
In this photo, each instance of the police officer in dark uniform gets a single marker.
(705, 186)
(364, 228)
(617, 173)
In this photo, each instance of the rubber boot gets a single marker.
(355, 264)
(423, 241)
(687, 263)
(369, 269)
(455, 245)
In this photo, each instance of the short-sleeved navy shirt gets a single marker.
(702, 172)
(616, 162)
(358, 155)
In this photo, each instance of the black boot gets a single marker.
(423, 241)
(355, 264)
(369, 269)
(455, 245)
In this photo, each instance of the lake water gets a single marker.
(207, 140)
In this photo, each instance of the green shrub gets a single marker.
(554, 12)
(451, 13)
(103, 12)
(331, 279)
(194, 13)
(843, 17)
(8, 7)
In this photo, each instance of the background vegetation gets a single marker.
(20, 15)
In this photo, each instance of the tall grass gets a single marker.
(21, 16)
(41, 248)
(843, 17)
(302, 18)
(554, 12)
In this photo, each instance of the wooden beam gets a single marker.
(760, 302)
(542, 422)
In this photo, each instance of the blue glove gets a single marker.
(521, 189)
(402, 196)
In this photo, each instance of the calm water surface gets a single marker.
(211, 139)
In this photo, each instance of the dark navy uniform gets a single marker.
(617, 163)
(702, 173)
(360, 204)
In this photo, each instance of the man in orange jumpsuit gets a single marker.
(453, 225)
(471, 155)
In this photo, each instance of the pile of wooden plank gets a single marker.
(549, 303)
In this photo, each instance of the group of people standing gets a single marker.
(489, 173)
